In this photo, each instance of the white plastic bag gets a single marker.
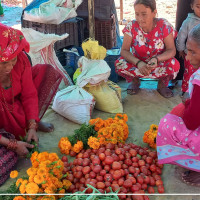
(75, 104)
(93, 71)
(52, 12)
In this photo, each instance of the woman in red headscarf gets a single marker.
(25, 94)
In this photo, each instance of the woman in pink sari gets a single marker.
(178, 140)
(25, 94)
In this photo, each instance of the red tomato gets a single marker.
(121, 181)
(141, 163)
(107, 152)
(117, 174)
(102, 172)
(80, 155)
(118, 151)
(86, 162)
(144, 186)
(151, 190)
(144, 170)
(135, 159)
(128, 162)
(107, 168)
(96, 160)
(102, 156)
(131, 169)
(152, 181)
(146, 179)
(140, 179)
(97, 168)
(157, 177)
(121, 157)
(109, 160)
(80, 161)
(161, 189)
(86, 170)
(149, 159)
(159, 182)
(64, 159)
(99, 178)
(116, 165)
(134, 188)
(127, 183)
(108, 177)
(133, 152)
(153, 167)
(110, 146)
(86, 155)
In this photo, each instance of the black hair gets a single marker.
(195, 34)
(148, 3)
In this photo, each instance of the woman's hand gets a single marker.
(181, 54)
(143, 68)
(21, 149)
(32, 135)
(153, 63)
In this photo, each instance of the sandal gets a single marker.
(134, 87)
(165, 92)
(172, 84)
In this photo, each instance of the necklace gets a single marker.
(4, 99)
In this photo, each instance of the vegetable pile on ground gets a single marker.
(126, 168)
(98, 132)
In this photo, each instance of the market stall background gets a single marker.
(144, 109)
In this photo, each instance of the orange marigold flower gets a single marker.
(49, 197)
(19, 181)
(93, 142)
(42, 171)
(43, 156)
(38, 179)
(62, 191)
(13, 174)
(31, 178)
(78, 147)
(32, 188)
(66, 183)
(32, 171)
(53, 157)
(22, 188)
(19, 198)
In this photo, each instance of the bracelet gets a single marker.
(156, 58)
(12, 144)
(138, 62)
(32, 125)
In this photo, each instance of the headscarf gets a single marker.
(12, 42)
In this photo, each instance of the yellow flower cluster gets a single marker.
(65, 146)
(109, 130)
(45, 176)
(150, 136)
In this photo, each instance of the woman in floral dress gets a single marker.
(152, 42)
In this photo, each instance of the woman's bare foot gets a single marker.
(134, 87)
(45, 127)
(191, 178)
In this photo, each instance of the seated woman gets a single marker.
(25, 94)
(178, 139)
(153, 49)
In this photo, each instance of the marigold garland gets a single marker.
(150, 136)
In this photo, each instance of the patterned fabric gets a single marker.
(8, 159)
(12, 42)
(144, 47)
(189, 70)
(176, 144)
(194, 79)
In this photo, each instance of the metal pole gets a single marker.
(91, 19)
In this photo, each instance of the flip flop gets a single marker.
(165, 92)
(172, 84)
(187, 173)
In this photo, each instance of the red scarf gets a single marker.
(12, 42)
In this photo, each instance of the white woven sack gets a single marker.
(75, 104)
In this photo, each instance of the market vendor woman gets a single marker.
(152, 42)
(25, 94)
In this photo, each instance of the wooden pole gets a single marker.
(121, 10)
(91, 19)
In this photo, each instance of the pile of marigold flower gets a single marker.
(112, 130)
(65, 146)
(45, 176)
(150, 136)
(109, 131)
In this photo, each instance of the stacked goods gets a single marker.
(122, 168)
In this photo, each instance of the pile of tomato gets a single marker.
(127, 168)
